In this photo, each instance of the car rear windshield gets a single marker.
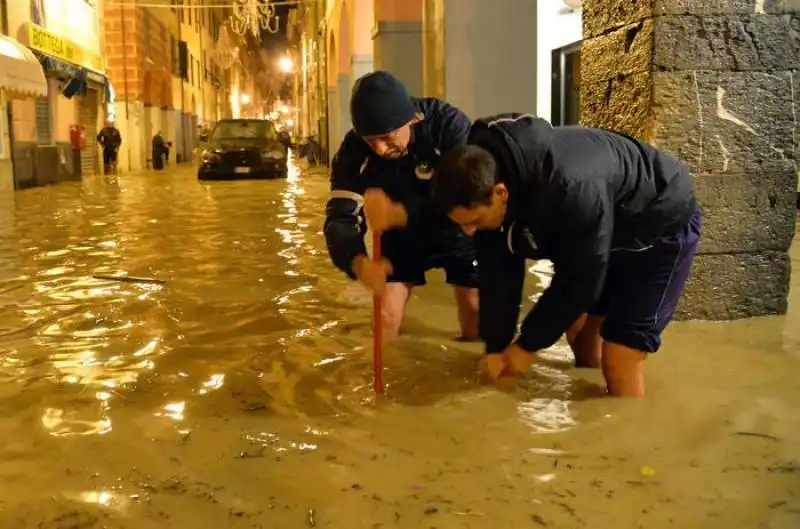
(244, 129)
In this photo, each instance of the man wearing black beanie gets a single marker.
(381, 175)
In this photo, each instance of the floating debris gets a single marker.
(757, 434)
(130, 279)
(310, 521)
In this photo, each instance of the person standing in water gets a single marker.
(382, 173)
(618, 219)
(110, 140)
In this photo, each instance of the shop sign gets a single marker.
(56, 46)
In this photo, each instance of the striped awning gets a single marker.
(21, 74)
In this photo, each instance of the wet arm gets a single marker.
(584, 238)
(501, 278)
(345, 225)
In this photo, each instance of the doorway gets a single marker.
(565, 104)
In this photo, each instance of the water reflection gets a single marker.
(237, 392)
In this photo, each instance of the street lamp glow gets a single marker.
(286, 64)
(245, 99)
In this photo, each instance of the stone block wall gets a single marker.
(716, 83)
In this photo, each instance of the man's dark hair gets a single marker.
(464, 177)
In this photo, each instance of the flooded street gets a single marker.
(237, 393)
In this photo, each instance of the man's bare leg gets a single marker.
(394, 307)
(585, 341)
(623, 369)
(468, 307)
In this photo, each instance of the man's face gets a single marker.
(485, 216)
(394, 144)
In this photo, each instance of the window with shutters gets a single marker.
(44, 125)
(183, 59)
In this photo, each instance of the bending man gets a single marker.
(382, 173)
(617, 218)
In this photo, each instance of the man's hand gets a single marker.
(382, 213)
(372, 274)
(518, 359)
(494, 365)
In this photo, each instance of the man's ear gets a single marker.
(501, 192)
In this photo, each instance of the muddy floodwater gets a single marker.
(234, 390)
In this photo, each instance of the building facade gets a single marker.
(620, 65)
(438, 48)
(165, 77)
(51, 137)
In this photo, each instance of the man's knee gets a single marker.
(393, 308)
(584, 340)
(468, 303)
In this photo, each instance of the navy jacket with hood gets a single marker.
(356, 167)
(576, 194)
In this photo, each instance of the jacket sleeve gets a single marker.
(449, 128)
(583, 236)
(345, 225)
(501, 277)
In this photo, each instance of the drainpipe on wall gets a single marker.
(125, 83)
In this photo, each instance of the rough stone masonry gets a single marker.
(716, 83)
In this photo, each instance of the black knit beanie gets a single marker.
(380, 104)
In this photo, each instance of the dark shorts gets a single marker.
(643, 287)
(412, 257)
(109, 156)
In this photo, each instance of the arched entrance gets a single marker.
(343, 80)
(332, 96)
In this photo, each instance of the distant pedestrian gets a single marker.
(110, 139)
(159, 147)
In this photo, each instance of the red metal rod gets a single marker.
(377, 324)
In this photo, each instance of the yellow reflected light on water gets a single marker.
(100, 497)
(215, 382)
(173, 410)
(58, 425)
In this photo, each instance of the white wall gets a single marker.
(556, 28)
(76, 20)
(489, 64)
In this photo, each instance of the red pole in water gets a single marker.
(377, 324)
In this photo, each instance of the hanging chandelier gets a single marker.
(251, 16)
(226, 52)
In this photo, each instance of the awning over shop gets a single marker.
(21, 75)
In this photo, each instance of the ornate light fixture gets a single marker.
(251, 16)
(225, 51)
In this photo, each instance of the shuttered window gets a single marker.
(87, 116)
(44, 122)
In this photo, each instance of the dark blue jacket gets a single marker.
(576, 194)
(356, 167)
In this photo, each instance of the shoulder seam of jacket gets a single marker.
(510, 120)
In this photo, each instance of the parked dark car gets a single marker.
(243, 148)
